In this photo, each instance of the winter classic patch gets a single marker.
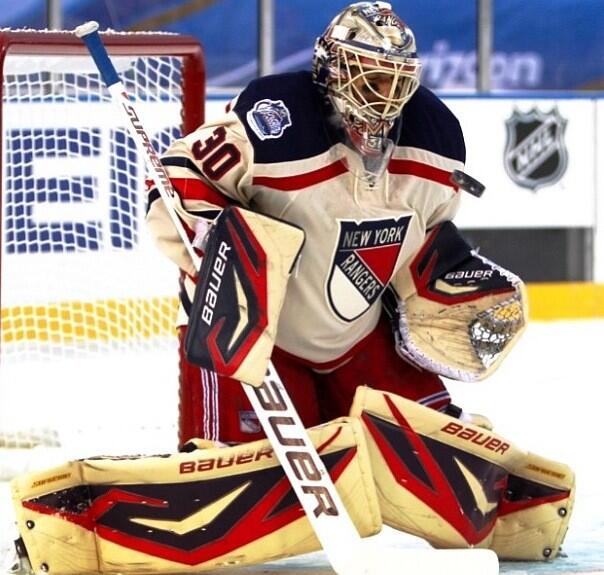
(269, 118)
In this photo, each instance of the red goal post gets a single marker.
(41, 43)
(88, 345)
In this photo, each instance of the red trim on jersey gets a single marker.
(425, 171)
(300, 181)
(150, 184)
(194, 189)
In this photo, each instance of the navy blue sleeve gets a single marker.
(430, 125)
(282, 117)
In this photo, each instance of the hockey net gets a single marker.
(88, 356)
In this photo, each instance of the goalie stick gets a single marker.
(347, 553)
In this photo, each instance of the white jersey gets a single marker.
(273, 152)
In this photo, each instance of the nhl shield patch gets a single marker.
(535, 152)
(363, 263)
(269, 119)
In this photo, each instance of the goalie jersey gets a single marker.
(274, 152)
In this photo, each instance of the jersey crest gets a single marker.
(363, 263)
(269, 119)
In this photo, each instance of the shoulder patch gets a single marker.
(269, 118)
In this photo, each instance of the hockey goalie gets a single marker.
(322, 204)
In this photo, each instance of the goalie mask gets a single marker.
(367, 66)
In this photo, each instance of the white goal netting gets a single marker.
(88, 355)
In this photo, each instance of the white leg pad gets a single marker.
(458, 485)
(535, 511)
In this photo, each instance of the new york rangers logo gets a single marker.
(363, 263)
(535, 153)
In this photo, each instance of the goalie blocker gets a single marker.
(239, 293)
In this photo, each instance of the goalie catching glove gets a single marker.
(454, 312)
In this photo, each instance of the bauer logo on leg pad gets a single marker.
(240, 292)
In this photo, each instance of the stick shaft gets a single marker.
(335, 531)
(93, 42)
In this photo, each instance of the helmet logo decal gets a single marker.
(363, 263)
(535, 153)
(269, 119)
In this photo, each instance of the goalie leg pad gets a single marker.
(535, 511)
(433, 480)
(459, 485)
(187, 512)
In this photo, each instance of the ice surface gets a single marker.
(547, 397)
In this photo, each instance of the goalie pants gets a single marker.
(215, 407)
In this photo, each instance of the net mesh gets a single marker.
(495, 327)
(88, 303)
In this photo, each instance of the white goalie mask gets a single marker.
(366, 63)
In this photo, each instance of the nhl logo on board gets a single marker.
(269, 118)
(363, 263)
(535, 153)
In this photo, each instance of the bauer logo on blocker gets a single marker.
(535, 153)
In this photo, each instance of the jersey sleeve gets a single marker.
(209, 169)
(445, 212)
(428, 124)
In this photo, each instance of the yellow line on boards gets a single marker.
(124, 319)
(104, 320)
(557, 301)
